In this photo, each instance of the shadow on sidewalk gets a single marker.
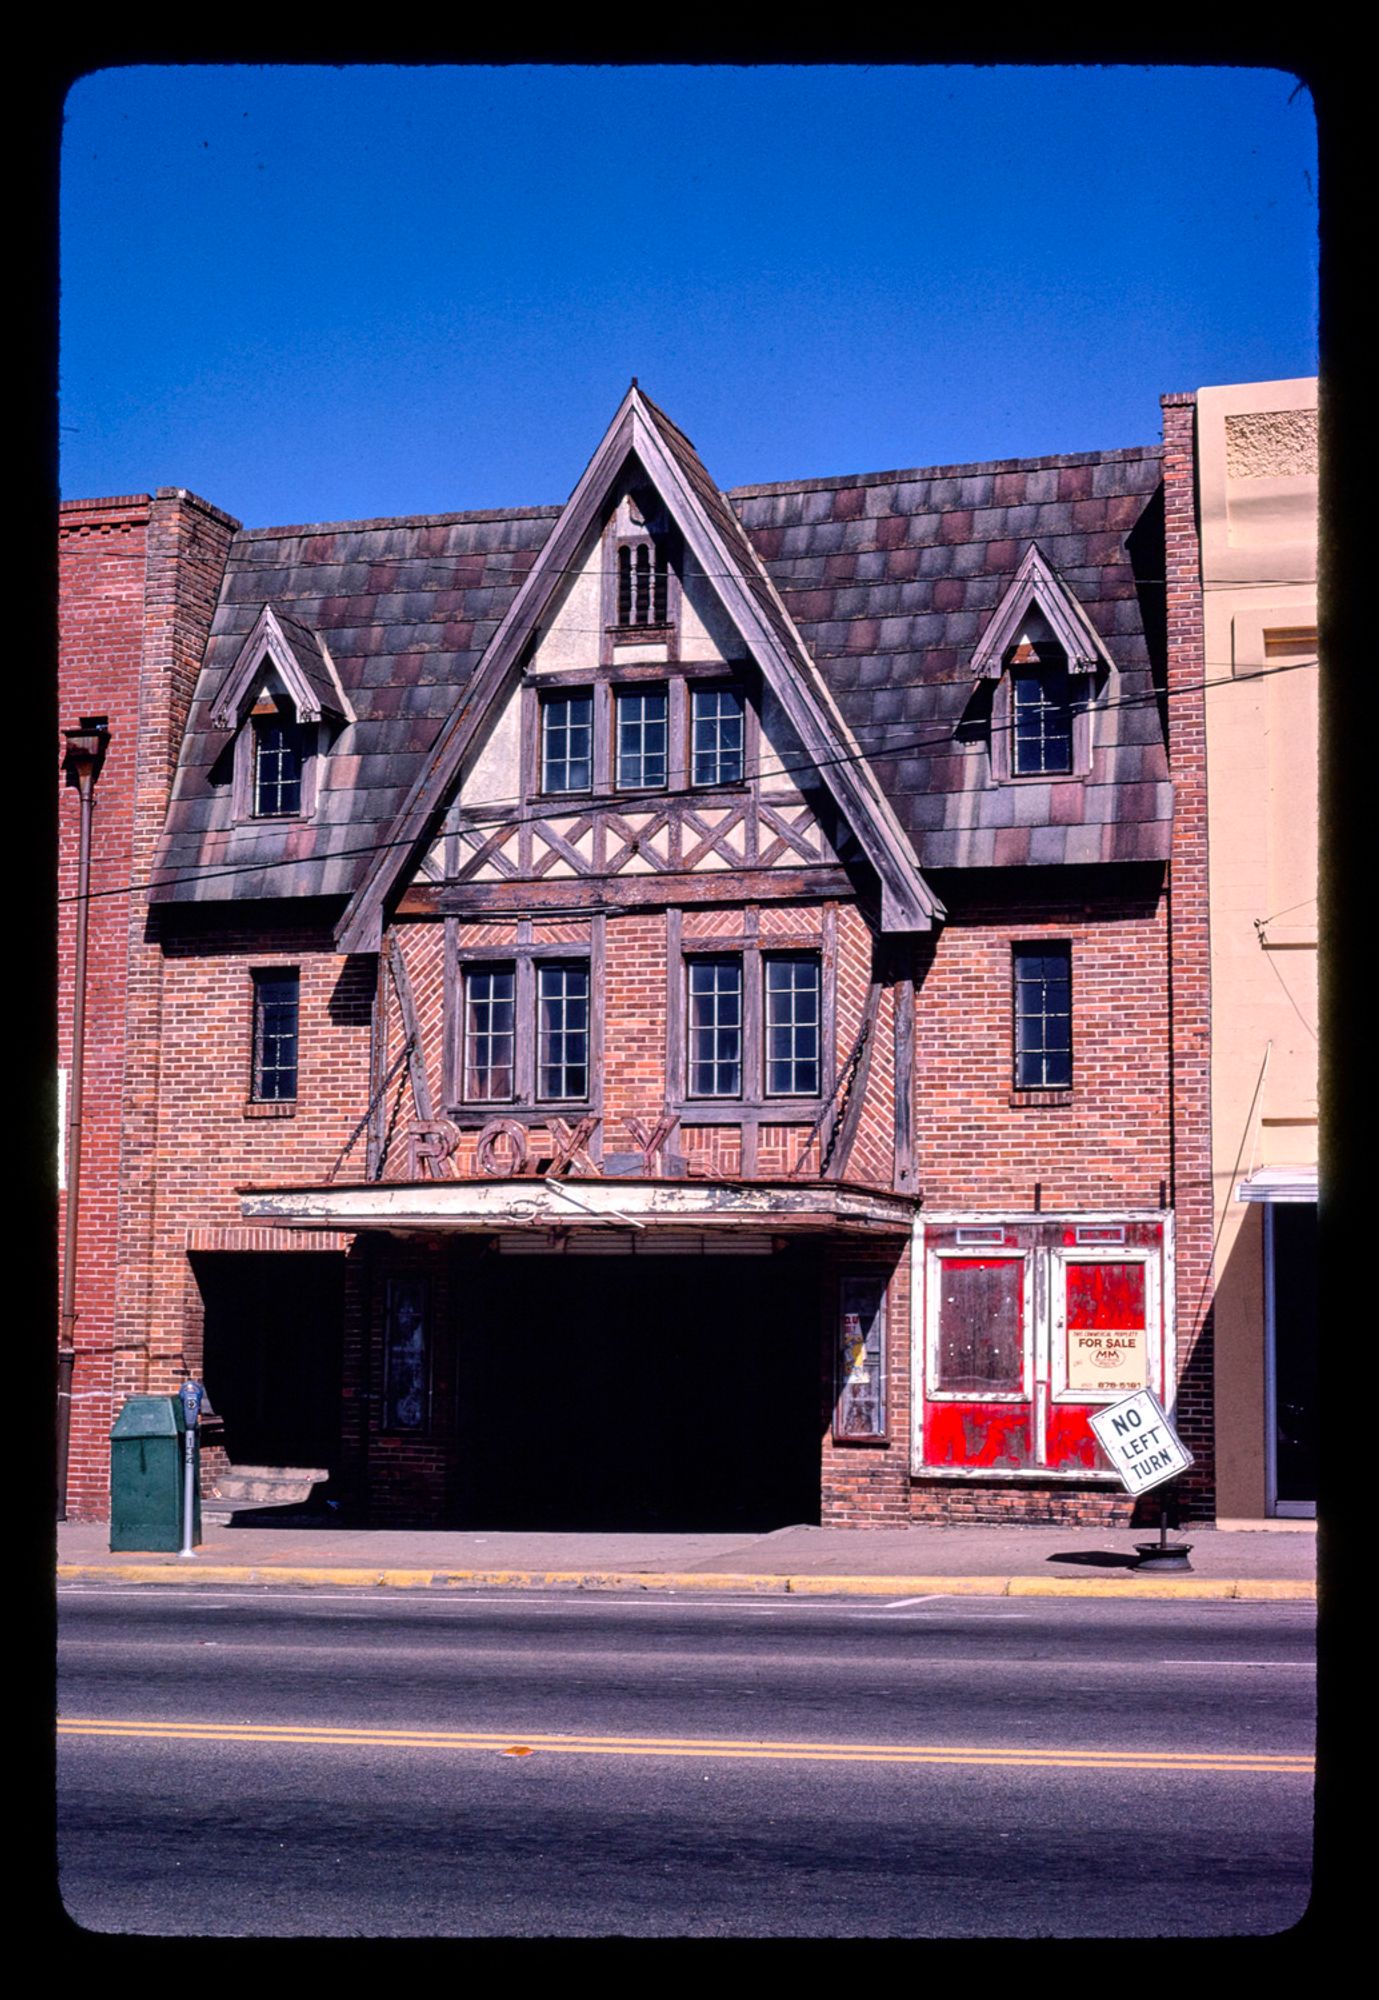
(1095, 1559)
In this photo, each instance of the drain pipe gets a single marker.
(82, 761)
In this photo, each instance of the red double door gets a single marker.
(1026, 1328)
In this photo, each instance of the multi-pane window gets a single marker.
(715, 1027)
(567, 743)
(640, 734)
(276, 997)
(792, 1025)
(784, 1006)
(562, 1063)
(1042, 708)
(278, 760)
(642, 723)
(717, 736)
(643, 583)
(1043, 1016)
(527, 1032)
(490, 1038)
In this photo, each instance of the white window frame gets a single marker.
(964, 1253)
(1102, 1253)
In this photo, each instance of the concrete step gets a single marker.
(243, 1488)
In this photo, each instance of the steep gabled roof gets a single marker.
(407, 607)
(714, 538)
(1034, 587)
(890, 579)
(303, 662)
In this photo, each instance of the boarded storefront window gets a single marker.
(406, 1388)
(981, 1350)
(860, 1407)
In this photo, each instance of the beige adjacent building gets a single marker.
(1257, 473)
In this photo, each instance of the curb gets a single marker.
(1255, 1588)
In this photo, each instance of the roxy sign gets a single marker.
(507, 1148)
(1140, 1442)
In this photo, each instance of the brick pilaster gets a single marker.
(1189, 960)
(187, 545)
(102, 553)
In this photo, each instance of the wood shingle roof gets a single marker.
(889, 579)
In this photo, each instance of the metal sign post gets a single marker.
(192, 1394)
(1145, 1451)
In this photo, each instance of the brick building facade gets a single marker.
(683, 1008)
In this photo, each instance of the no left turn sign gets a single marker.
(1140, 1442)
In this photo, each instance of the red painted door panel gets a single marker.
(1104, 1339)
(973, 1435)
(980, 1411)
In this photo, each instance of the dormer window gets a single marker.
(1040, 725)
(275, 757)
(280, 755)
(282, 703)
(1048, 663)
(1043, 705)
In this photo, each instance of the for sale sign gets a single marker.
(1140, 1442)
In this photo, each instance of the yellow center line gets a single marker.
(688, 1746)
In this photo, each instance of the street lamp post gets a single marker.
(82, 761)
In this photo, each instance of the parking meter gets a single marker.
(193, 1395)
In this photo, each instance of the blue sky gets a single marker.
(325, 294)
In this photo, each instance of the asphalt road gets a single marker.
(282, 1763)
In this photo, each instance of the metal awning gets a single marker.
(1279, 1184)
(542, 1202)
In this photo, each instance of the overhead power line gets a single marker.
(443, 567)
(565, 805)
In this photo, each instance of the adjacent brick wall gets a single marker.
(1190, 946)
(204, 1138)
(188, 542)
(102, 553)
(138, 581)
(1109, 1146)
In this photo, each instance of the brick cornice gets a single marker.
(94, 517)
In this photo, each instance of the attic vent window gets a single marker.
(643, 584)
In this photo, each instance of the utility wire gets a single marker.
(516, 810)
(1288, 996)
(444, 567)
(1263, 923)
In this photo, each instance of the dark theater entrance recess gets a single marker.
(646, 1392)
(273, 1353)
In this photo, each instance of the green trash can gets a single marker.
(146, 1475)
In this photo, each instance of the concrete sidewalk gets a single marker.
(894, 1562)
